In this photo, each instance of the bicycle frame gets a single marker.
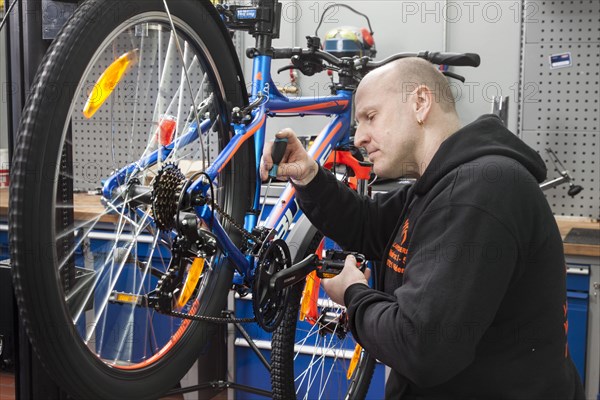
(286, 208)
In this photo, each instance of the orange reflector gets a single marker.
(166, 129)
(127, 298)
(310, 298)
(310, 295)
(354, 361)
(108, 81)
(190, 281)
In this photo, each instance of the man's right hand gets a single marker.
(296, 163)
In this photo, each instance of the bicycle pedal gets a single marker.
(333, 263)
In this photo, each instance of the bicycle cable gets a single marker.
(373, 181)
(215, 207)
(346, 6)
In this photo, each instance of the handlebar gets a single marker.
(452, 59)
(455, 59)
(289, 52)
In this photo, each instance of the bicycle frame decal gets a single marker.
(330, 105)
(285, 209)
(238, 139)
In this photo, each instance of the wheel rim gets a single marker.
(118, 250)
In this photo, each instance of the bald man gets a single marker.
(469, 298)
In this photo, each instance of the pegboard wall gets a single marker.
(560, 83)
(119, 132)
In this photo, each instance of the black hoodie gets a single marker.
(471, 297)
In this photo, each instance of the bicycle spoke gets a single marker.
(323, 385)
(186, 77)
(323, 357)
(113, 282)
(137, 292)
(98, 274)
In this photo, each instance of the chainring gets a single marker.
(269, 305)
(166, 190)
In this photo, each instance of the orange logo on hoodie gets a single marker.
(404, 232)
(397, 255)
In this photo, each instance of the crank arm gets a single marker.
(294, 274)
(328, 267)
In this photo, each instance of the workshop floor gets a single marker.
(7, 388)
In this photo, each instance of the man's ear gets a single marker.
(424, 99)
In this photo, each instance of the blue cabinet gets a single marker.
(578, 283)
(4, 248)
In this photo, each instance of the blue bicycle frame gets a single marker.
(286, 208)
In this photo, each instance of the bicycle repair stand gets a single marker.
(212, 365)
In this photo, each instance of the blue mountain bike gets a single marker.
(135, 200)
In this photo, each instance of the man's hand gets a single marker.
(296, 163)
(336, 287)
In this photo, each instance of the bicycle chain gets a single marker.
(214, 320)
(229, 218)
(221, 320)
(168, 186)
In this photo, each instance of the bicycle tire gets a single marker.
(150, 353)
(290, 379)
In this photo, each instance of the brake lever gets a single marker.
(308, 65)
(287, 67)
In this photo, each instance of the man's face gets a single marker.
(387, 127)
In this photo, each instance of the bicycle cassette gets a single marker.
(269, 304)
(166, 190)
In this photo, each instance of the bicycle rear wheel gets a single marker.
(313, 359)
(117, 85)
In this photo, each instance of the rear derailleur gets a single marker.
(192, 244)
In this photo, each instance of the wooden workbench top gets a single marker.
(88, 206)
(565, 224)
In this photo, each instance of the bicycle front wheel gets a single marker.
(123, 83)
(314, 355)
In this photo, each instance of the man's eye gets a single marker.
(371, 117)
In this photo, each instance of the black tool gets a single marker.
(277, 152)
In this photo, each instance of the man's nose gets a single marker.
(360, 137)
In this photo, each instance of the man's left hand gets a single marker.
(336, 287)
